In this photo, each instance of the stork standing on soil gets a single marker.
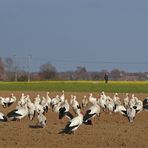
(75, 104)
(131, 113)
(91, 113)
(7, 101)
(91, 98)
(41, 120)
(64, 111)
(84, 102)
(3, 118)
(73, 124)
(18, 114)
(145, 104)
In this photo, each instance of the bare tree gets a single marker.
(9, 64)
(95, 76)
(47, 71)
(2, 70)
(117, 74)
(9, 68)
(81, 73)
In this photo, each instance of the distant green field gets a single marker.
(77, 86)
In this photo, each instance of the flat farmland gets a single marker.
(77, 86)
(108, 131)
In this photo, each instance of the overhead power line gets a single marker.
(21, 59)
(101, 62)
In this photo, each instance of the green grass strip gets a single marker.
(77, 86)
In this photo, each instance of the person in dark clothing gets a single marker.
(106, 78)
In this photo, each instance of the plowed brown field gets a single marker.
(109, 131)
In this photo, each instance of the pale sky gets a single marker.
(97, 34)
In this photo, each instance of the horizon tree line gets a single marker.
(9, 71)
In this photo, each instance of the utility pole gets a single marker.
(29, 62)
(15, 68)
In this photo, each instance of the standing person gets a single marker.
(106, 78)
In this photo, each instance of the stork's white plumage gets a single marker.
(145, 104)
(12, 99)
(126, 100)
(3, 118)
(37, 99)
(75, 104)
(62, 97)
(138, 105)
(22, 100)
(44, 104)
(7, 101)
(31, 110)
(73, 124)
(121, 109)
(38, 106)
(64, 111)
(131, 113)
(110, 104)
(41, 120)
(91, 113)
(2, 100)
(48, 99)
(18, 114)
(102, 101)
(92, 99)
(84, 101)
(56, 107)
(23, 96)
(54, 101)
(132, 101)
(103, 95)
(43, 101)
(116, 99)
(47, 96)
